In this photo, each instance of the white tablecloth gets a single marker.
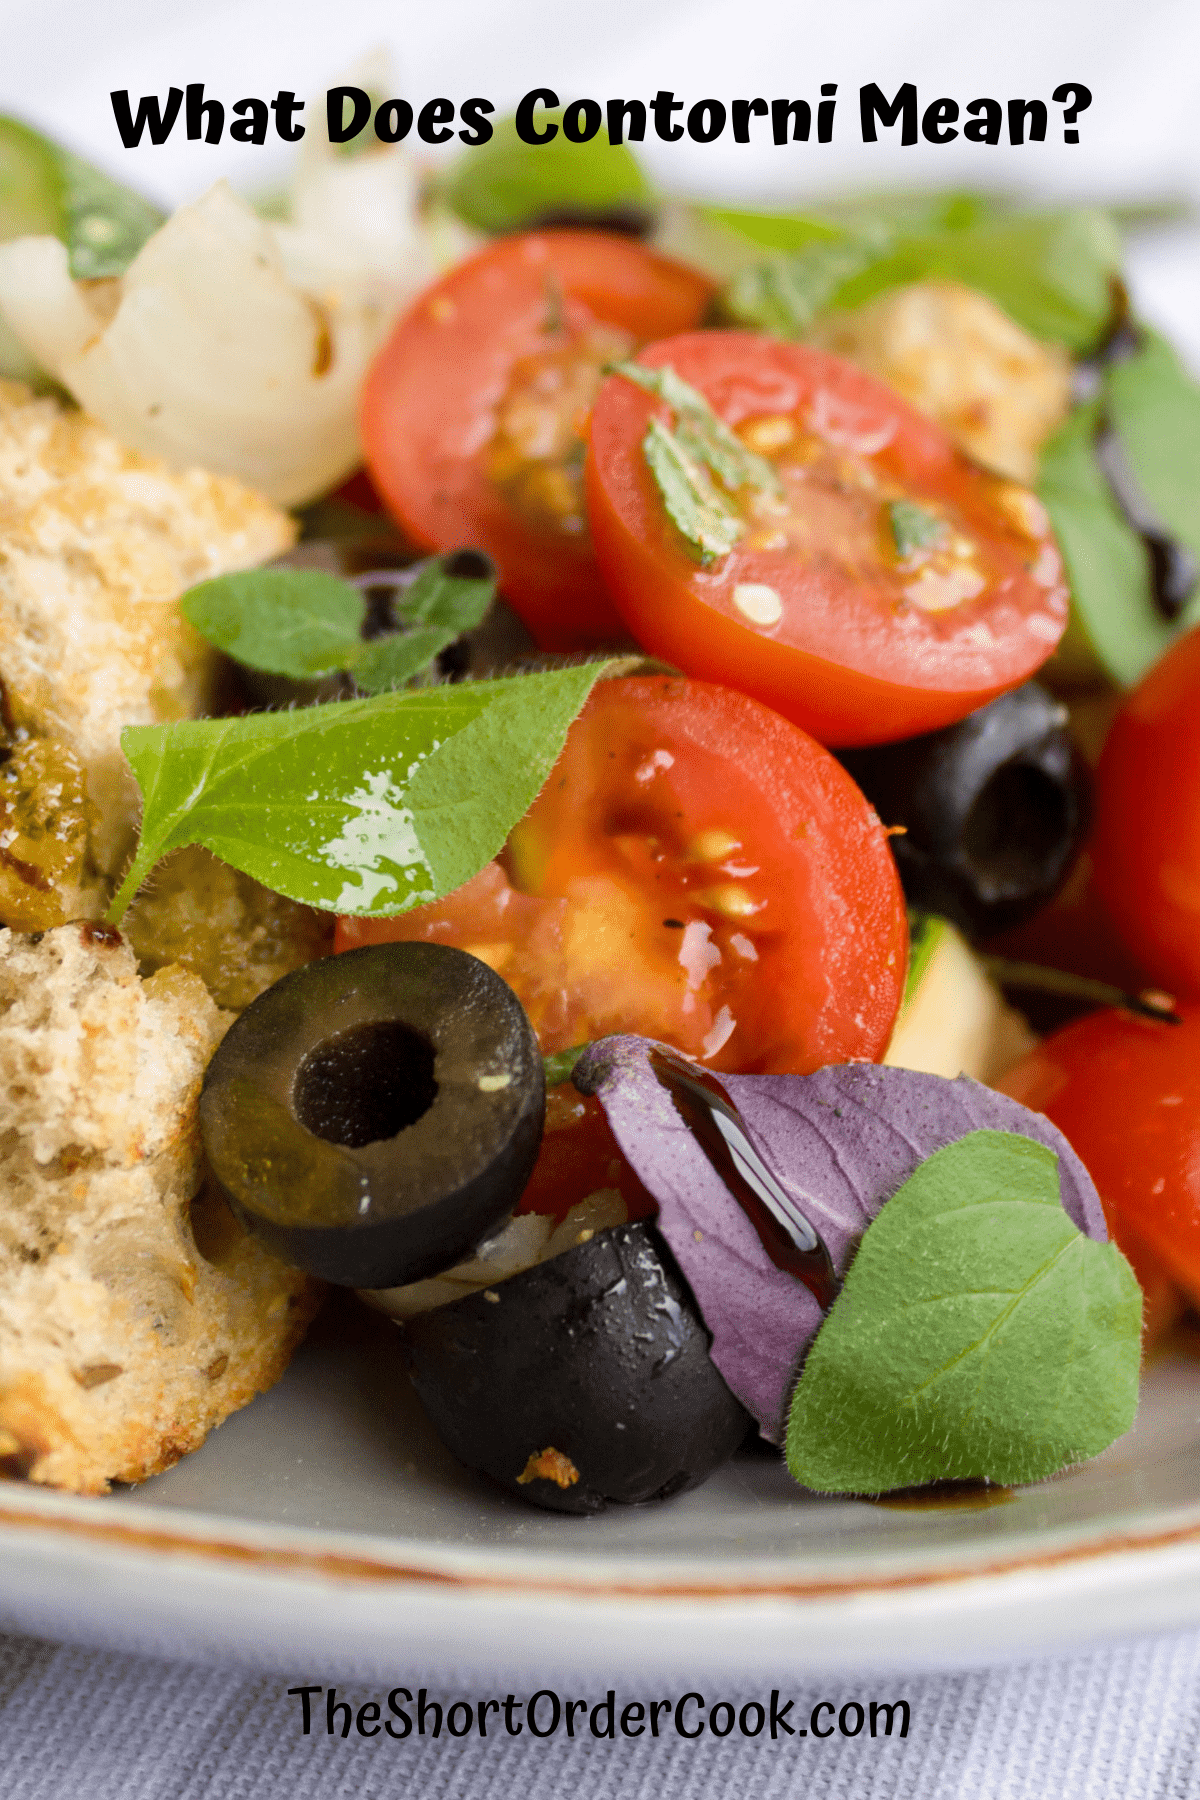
(78, 1724)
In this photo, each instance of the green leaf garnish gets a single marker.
(680, 458)
(709, 522)
(979, 1334)
(914, 527)
(560, 1066)
(47, 191)
(1114, 619)
(1155, 406)
(1050, 272)
(366, 806)
(505, 183)
(304, 623)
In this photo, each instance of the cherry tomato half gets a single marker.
(828, 607)
(1147, 840)
(696, 870)
(474, 412)
(1126, 1093)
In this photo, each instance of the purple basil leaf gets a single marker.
(840, 1142)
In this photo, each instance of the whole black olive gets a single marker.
(373, 1115)
(583, 1380)
(995, 809)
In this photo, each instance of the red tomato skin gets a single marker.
(1147, 838)
(1126, 1093)
(830, 977)
(844, 674)
(429, 396)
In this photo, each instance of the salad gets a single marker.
(625, 873)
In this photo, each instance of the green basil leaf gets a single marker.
(786, 294)
(367, 806)
(1155, 407)
(505, 183)
(438, 597)
(1114, 620)
(709, 522)
(305, 623)
(1050, 272)
(561, 1065)
(702, 434)
(47, 191)
(298, 622)
(979, 1334)
(389, 662)
(879, 217)
(914, 527)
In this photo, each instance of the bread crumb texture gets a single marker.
(96, 544)
(952, 353)
(134, 1313)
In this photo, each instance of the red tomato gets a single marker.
(474, 412)
(1147, 839)
(578, 1155)
(1126, 1093)
(815, 610)
(697, 870)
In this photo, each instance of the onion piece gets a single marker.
(234, 344)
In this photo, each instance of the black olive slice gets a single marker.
(582, 1381)
(373, 1115)
(994, 809)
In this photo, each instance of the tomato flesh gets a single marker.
(474, 412)
(696, 870)
(579, 1154)
(1126, 1093)
(817, 609)
(1147, 840)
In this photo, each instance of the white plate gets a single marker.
(325, 1526)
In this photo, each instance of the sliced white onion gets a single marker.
(235, 345)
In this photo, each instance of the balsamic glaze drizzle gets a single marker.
(788, 1238)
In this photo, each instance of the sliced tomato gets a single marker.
(1147, 840)
(698, 870)
(579, 1154)
(474, 413)
(1126, 1093)
(826, 608)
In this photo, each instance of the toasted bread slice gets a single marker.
(134, 1314)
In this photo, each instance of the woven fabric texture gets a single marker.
(76, 1723)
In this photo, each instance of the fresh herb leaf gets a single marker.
(47, 191)
(702, 433)
(560, 1066)
(1155, 407)
(979, 1334)
(304, 623)
(298, 622)
(710, 523)
(1050, 272)
(505, 183)
(786, 294)
(914, 527)
(1114, 621)
(368, 806)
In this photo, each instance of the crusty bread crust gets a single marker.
(96, 545)
(134, 1315)
(953, 354)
